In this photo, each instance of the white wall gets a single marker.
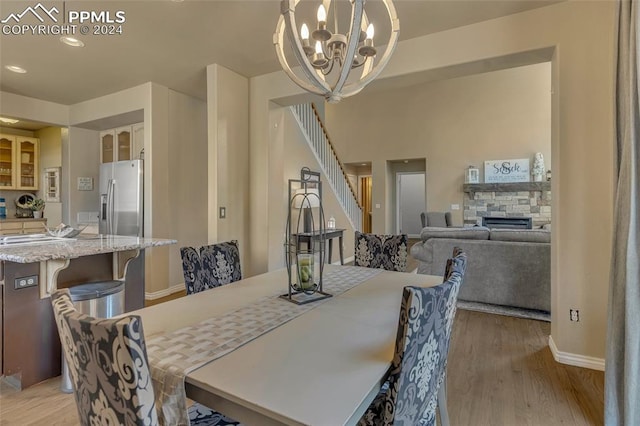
(289, 153)
(452, 123)
(228, 152)
(581, 37)
(80, 158)
(187, 177)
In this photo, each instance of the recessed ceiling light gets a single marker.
(15, 68)
(71, 41)
(8, 120)
(363, 164)
(405, 161)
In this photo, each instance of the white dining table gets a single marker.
(323, 367)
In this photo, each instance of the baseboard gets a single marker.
(574, 359)
(346, 261)
(164, 293)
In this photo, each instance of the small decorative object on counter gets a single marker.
(472, 175)
(538, 168)
(332, 223)
(548, 175)
(3, 209)
(37, 205)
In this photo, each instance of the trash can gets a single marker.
(99, 300)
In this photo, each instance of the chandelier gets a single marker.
(333, 64)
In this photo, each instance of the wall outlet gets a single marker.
(574, 315)
(455, 206)
(24, 282)
(377, 205)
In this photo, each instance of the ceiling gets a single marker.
(172, 42)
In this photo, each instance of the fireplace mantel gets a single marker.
(472, 188)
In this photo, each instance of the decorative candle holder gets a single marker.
(305, 226)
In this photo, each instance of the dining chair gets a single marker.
(109, 369)
(381, 251)
(419, 364)
(210, 266)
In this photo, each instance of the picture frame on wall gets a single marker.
(512, 170)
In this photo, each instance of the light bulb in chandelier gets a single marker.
(304, 35)
(327, 58)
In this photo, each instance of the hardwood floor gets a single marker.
(501, 372)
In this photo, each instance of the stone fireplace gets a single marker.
(512, 200)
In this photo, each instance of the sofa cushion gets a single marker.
(471, 233)
(521, 235)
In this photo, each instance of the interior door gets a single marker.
(410, 203)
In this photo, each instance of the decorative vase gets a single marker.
(37, 214)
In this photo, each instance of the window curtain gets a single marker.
(622, 373)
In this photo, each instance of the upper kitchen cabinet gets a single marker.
(7, 163)
(27, 160)
(121, 143)
(19, 162)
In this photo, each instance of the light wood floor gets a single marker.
(501, 372)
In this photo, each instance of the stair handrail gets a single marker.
(335, 155)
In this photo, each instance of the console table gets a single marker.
(328, 235)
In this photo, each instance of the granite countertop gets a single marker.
(85, 245)
(21, 219)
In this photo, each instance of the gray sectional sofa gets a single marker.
(505, 266)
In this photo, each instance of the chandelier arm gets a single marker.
(352, 43)
(316, 83)
(278, 41)
(354, 88)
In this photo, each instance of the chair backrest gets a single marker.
(437, 219)
(381, 251)
(210, 266)
(108, 364)
(420, 359)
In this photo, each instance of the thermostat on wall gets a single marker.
(85, 184)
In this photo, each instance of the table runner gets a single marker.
(174, 355)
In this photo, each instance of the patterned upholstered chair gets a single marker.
(109, 369)
(438, 219)
(210, 266)
(381, 251)
(419, 364)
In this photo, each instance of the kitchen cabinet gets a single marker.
(27, 160)
(22, 226)
(19, 162)
(121, 143)
(7, 163)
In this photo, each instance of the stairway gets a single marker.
(318, 139)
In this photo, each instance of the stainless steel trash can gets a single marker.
(99, 300)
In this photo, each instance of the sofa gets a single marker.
(506, 267)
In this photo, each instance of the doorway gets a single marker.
(365, 202)
(410, 202)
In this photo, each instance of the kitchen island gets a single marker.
(30, 270)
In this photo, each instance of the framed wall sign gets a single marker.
(516, 170)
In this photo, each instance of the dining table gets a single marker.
(263, 360)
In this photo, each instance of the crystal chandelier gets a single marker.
(333, 64)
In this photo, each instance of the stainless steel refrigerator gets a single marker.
(121, 198)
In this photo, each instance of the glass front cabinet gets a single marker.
(19, 162)
(121, 144)
(27, 156)
(7, 154)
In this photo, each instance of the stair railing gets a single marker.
(318, 139)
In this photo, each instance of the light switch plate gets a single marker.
(377, 205)
(223, 212)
